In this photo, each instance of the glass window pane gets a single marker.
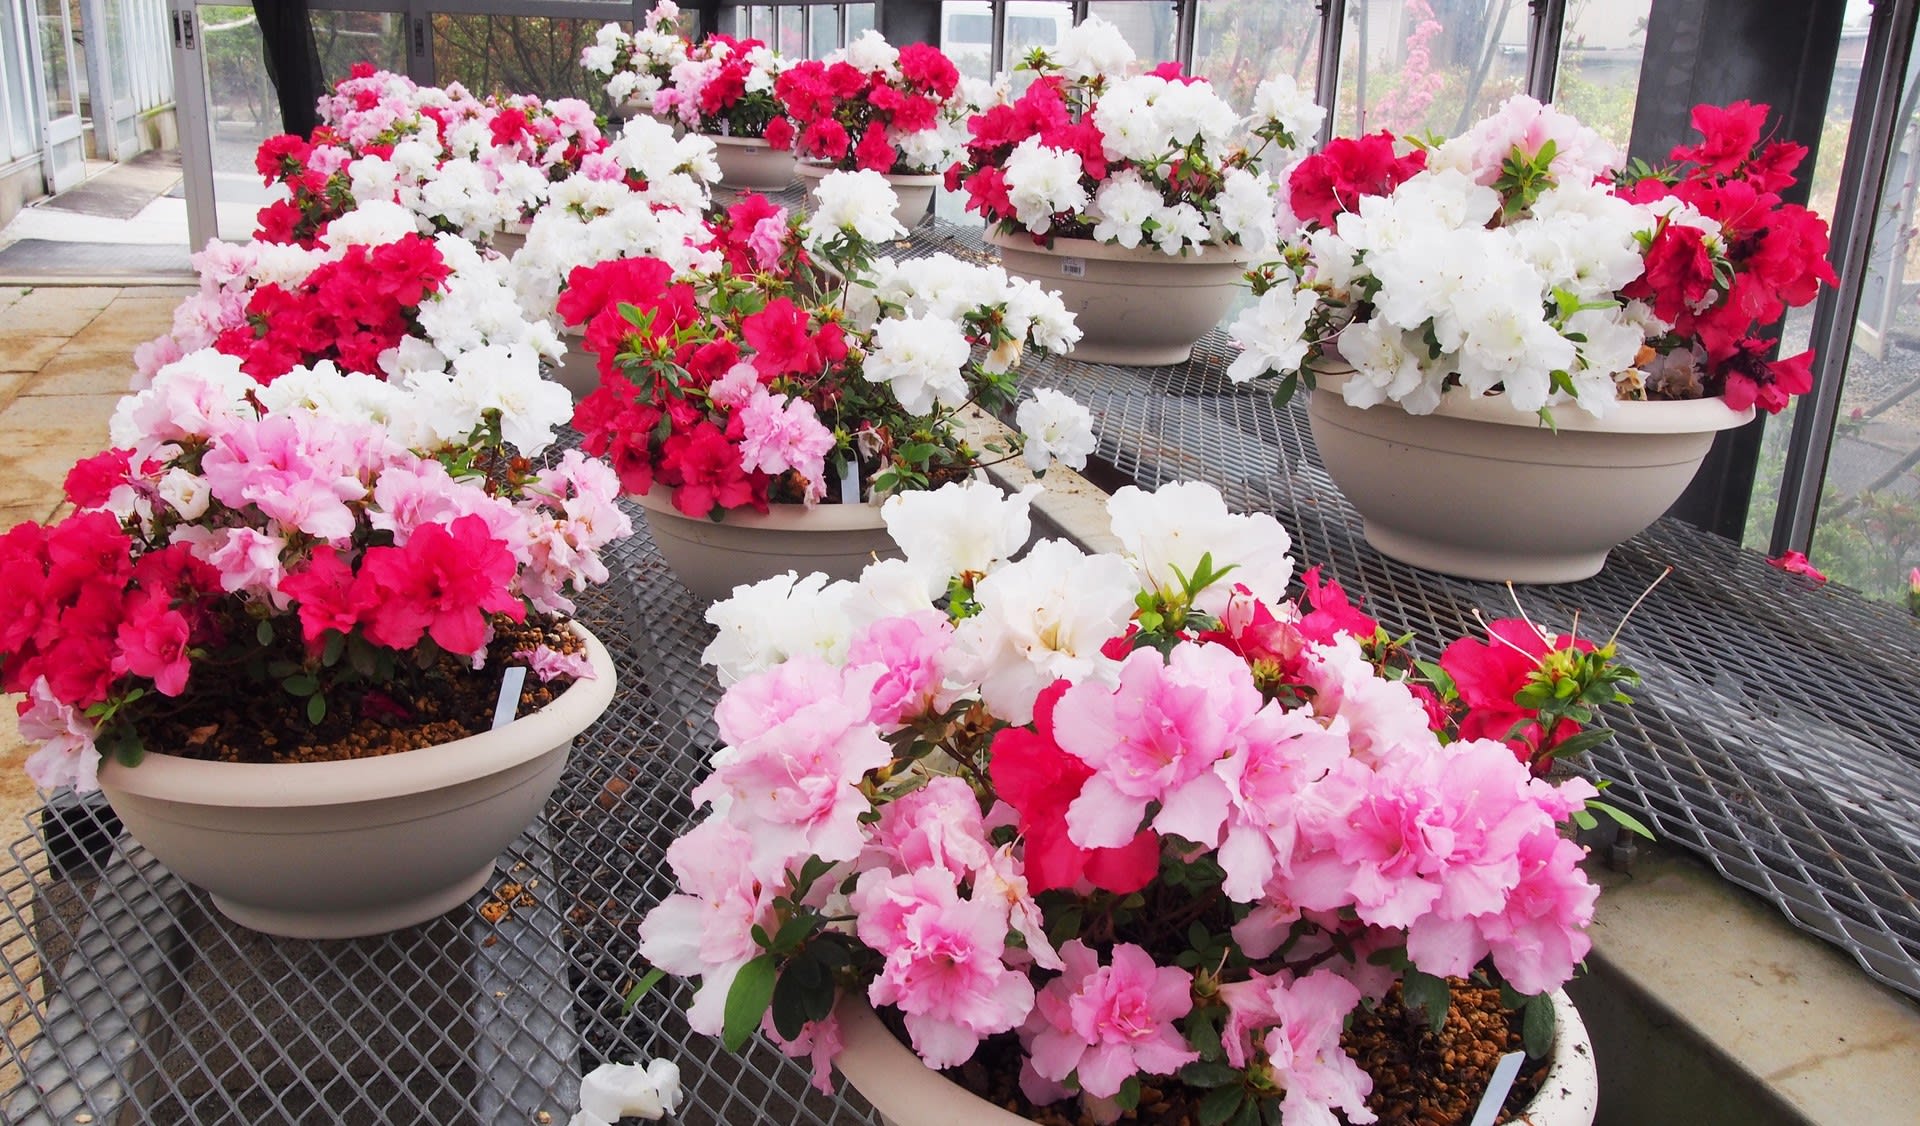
(1600, 49)
(1424, 66)
(1240, 43)
(791, 38)
(346, 38)
(242, 111)
(20, 126)
(823, 30)
(1150, 28)
(56, 75)
(760, 22)
(516, 55)
(1034, 24)
(859, 19)
(1867, 531)
(966, 35)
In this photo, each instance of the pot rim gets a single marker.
(899, 1084)
(270, 785)
(814, 170)
(1114, 252)
(741, 142)
(1677, 416)
(778, 517)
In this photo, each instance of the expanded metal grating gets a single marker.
(1775, 736)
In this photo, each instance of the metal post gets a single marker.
(1545, 23)
(196, 141)
(1862, 182)
(100, 92)
(1326, 78)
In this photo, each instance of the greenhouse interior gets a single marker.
(707, 508)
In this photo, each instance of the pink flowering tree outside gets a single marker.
(1142, 814)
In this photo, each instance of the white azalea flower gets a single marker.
(962, 528)
(921, 359)
(1165, 532)
(1056, 427)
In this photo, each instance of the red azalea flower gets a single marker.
(326, 596)
(1794, 563)
(875, 153)
(927, 68)
(779, 133)
(707, 468)
(92, 480)
(1730, 133)
(1488, 674)
(987, 194)
(152, 640)
(1039, 780)
(1332, 613)
(825, 139)
(1754, 381)
(1081, 137)
(442, 584)
(1335, 178)
(780, 341)
(1678, 274)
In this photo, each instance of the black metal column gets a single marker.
(910, 21)
(293, 61)
(1718, 51)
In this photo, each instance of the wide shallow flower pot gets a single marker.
(751, 164)
(907, 1093)
(508, 240)
(913, 190)
(359, 847)
(1138, 307)
(711, 558)
(1479, 490)
(579, 370)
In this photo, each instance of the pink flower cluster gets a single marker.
(227, 533)
(1212, 842)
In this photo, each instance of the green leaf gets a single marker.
(1207, 1074)
(1426, 994)
(1536, 1026)
(640, 989)
(1625, 820)
(263, 633)
(316, 708)
(1248, 1114)
(1220, 1104)
(747, 1002)
(300, 684)
(803, 993)
(793, 932)
(336, 644)
(1128, 1096)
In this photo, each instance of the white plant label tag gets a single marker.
(1073, 267)
(1504, 1073)
(849, 482)
(512, 679)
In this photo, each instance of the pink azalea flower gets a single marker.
(779, 435)
(706, 929)
(938, 825)
(1540, 935)
(298, 469)
(1153, 738)
(1795, 563)
(548, 663)
(248, 560)
(66, 756)
(820, 1041)
(733, 389)
(1106, 1023)
(1304, 1050)
(798, 743)
(945, 968)
(767, 239)
(909, 651)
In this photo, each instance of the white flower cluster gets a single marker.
(635, 67)
(1497, 307)
(593, 217)
(858, 203)
(1148, 126)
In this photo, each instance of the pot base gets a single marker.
(712, 558)
(334, 923)
(1495, 566)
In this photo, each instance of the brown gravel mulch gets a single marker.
(1420, 1078)
(421, 708)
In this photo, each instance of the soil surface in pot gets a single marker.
(1420, 1078)
(417, 707)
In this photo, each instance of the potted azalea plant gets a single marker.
(761, 409)
(724, 90)
(1516, 298)
(1091, 833)
(1140, 198)
(636, 67)
(870, 106)
(285, 629)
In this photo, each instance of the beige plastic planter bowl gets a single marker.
(1137, 308)
(915, 192)
(751, 164)
(1480, 491)
(508, 240)
(907, 1093)
(342, 849)
(579, 370)
(712, 558)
